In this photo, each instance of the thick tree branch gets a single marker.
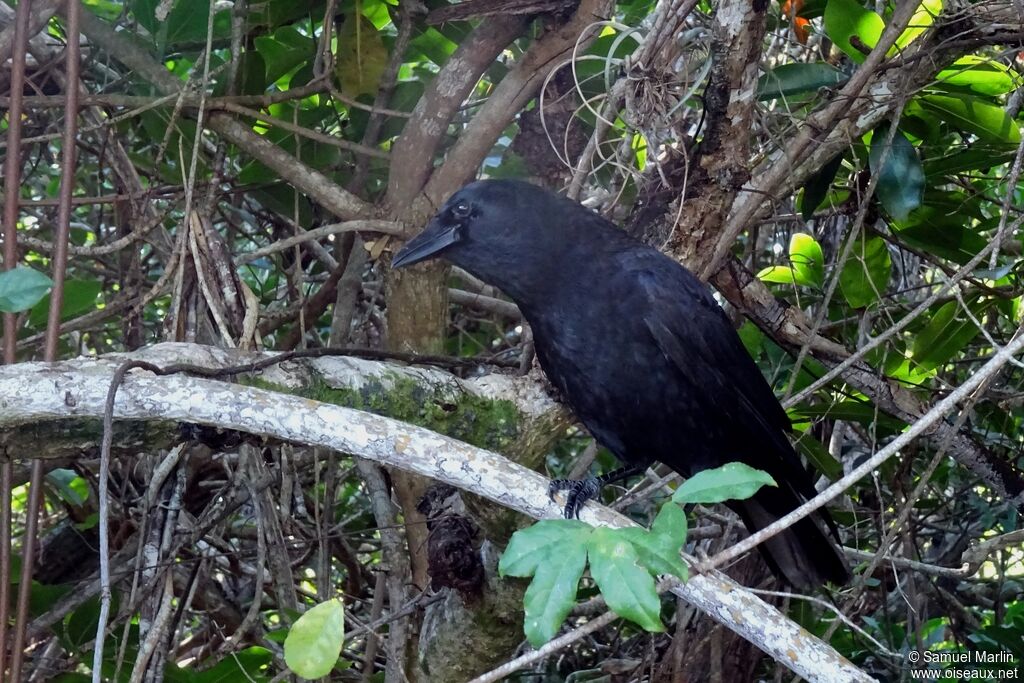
(721, 164)
(78, 389)
(417, 146)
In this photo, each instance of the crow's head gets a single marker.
(488, 215)
(508, 233)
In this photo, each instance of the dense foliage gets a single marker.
(840, 199)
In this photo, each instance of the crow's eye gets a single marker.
(461, 210)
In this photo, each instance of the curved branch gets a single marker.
(48, 391)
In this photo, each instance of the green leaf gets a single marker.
(554, 553)
(981, 75)
(780, 274)
(21, 288)
(866, 273)
(627, 587)
(817, 187)
(975, 158)
(807, 259)
(658, 549)
(434, 46)
(818, 455)
(798, 78)
(72, 489)
(988, 121)
(946, 334)
(533, 546)
(552, 592)
(846, 21)
(314, 641)
(186, 21)
(731, 481)
(808, 264)
(854, 411)
(79, 297)
(80, 626)
(900, 177)
(283, 51)
(922, 19)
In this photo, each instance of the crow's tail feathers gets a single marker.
(804, 555)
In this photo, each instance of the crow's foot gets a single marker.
(578, 492)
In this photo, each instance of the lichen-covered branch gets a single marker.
(49, 391)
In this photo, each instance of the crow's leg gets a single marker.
(579, 491)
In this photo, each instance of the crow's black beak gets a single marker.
(434, 239)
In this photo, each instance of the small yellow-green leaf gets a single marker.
(731, 481)
(314, 641)
(780, 274)
(807, 260)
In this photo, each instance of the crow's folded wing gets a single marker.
(694, 333)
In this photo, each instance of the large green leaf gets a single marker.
(554, 553)
(21, 288)
(245, 665)
(818, 455)
(853, 411)
(948, 331)
(284, 50)
(186, 21)
(981, 75)
(970, 114)
(530, 547)
(627, 587)
(976, 158)
(866, 273)
(900, 176)
(314, 641)
(848, 20)
(80, 296)
(798, 78)
(731, 481)
(920, 22)
(659, 548)
(939, 226)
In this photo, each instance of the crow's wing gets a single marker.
(696, 336)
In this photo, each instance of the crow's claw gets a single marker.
(578, 492)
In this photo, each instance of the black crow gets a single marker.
(640, 350)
